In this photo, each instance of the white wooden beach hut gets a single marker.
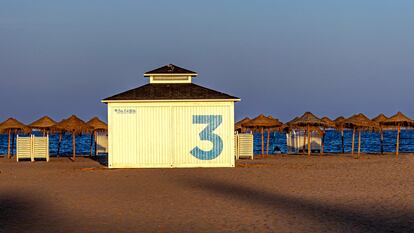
(170, 122)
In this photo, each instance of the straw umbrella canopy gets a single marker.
(75, 126)
(12, 125)
(262, 122)
(329, 123)
(45, 124)
(98, 126)
(311, 123)
(398, 120)
(238, 125)
(380, 119)
(360, 122)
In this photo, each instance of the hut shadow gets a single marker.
(21, 214)
(102, 159)
(335, 217)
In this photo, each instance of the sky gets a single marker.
(281, 57)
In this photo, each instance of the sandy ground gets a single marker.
(282, 194)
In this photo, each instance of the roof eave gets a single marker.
(171, 100)
(170, 74)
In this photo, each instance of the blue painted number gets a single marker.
(212, 121)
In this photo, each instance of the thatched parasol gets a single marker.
(238, 126)
(310, 122)
(360, 122)
(339, 123)
(75, 126)
(380, 119)
(262, 122)
(98, 126)
(12, 125)
(398, 120)
(329, 123)
(45, 124)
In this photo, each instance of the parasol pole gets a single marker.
(342, 138)
(12, 143)
(382, 140)
(353, 141)
(359, 143)
(309, 148)
(8, 145)
(304, 140)
(60, 140)
(95, 137)
(322, 141)
(398, 141)
(268, 141)
(261, 129)
(90, 151)
(73, 145)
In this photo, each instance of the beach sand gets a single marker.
(281, 194)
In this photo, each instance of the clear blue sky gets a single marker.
(280, 57)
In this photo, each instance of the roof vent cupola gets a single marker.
(170, 74)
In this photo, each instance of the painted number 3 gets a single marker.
(212, 121)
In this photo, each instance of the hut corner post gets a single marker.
(359, 143)
(398, 141)
(353, 142)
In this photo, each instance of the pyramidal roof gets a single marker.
(170, 69)
(168, 90)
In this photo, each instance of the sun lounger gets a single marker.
(243, 145)
(32, 148)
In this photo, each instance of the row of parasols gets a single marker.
(46, 125)
(309, 123)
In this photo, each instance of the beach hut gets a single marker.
(12, 126)
(260, 124)
(75, 126)
(97, 126)
(45, 124)
(171, 122)
(398, 120)
(238, 126)
(339, 125)
(380, 120)
(309, 122)
(359, 122)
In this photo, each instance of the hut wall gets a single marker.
(171, 134)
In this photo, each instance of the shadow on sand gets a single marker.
(331, 216)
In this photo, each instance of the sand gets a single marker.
(282, 194)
